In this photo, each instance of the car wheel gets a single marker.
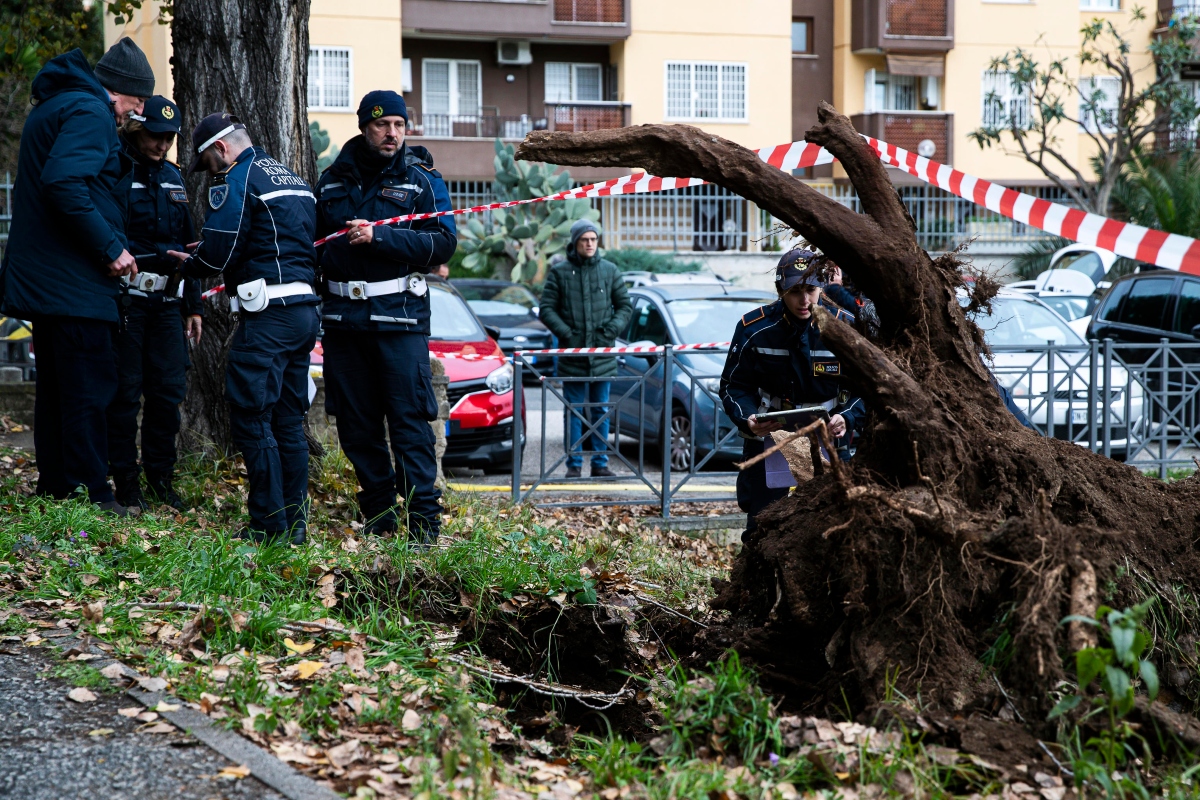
(681, 453)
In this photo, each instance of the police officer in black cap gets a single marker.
(777, 362)
(260, 230)
(151, 346)
(376, 314)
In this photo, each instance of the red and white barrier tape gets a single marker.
(583, 351)
(1167, 250)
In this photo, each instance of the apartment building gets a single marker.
(915, 73)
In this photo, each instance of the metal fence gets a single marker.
(1138, 403)
(636, 413)
(713, 219)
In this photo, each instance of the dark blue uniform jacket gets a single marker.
(776, 362)
(262, 222)
(159, 221)
(407, 185)
(68, 213)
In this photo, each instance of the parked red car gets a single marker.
(480, 431)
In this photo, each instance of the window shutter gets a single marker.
(436, 88)
(869, 92)
(468, 97)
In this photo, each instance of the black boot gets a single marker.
(381, 524)
(160, 490)
(129, 491)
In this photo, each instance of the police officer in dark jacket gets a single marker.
(151, 346)
(776, 362)
(260, 230)
(66, 252)
(376, 314)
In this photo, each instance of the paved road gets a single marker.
(46, 752)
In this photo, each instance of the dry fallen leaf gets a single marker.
(113, 671)
(298, 648)
(234, 773)
(147, 716)
(410, 721)
(81, 695)
(100, 732)
(131, 712)
(165, 706)
(344, 754)
(152, 684)
(160, 727)
(355, 659)
(306, 669)
(88, 579)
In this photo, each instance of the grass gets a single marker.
(418, 714)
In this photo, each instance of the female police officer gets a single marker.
(777, 361)
(151, 347)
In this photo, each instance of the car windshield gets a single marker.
(710, 320)
(512, 300)
(1069, 307)
(450, 319)
(1024, 323)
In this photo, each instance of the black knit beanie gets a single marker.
(125, 70)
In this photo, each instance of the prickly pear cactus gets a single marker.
(520, 241)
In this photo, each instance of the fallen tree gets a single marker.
(954, 524)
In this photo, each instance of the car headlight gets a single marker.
(500, 380)
(711, 384)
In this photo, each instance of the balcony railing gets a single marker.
(576, 117)
(571, 117)
(594, 12)
(908, 129)
(897, 26)
(923, 18)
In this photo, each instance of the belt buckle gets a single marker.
(356, 290)
(146, 282)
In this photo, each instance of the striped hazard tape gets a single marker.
(586, 351)
(1167, 250)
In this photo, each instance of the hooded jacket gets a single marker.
(586, 304)
(159, 220)
(68, 211)
(407, 184)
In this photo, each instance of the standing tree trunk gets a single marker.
(250, 58)
(953, 524)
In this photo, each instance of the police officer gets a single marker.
(151, 346)
(376, 314)
(260, 230)
(777, 361)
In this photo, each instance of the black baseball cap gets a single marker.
(159, 115)
(796, 267)
(210, 129)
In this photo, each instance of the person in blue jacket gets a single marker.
(152, 343)
(376, 314)
(776, 362)
(260, 230)
(66, 253)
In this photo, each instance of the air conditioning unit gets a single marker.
(508, 52)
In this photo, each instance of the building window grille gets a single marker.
(1004, 103)
(1099, 99)
(574, 83)
(329, 78)
(698, 91)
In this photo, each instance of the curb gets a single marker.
(263, 765)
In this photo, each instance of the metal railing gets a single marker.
(636, 409)
(473, 126)
(5, 209)
(590, 12)
(1139, 403)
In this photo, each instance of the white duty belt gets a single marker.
(146, 283)
(362, 290)
(769, 403)
(256, 295)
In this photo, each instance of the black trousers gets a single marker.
(152, 359)
(753, 495)
(266, 384)
(376, 378)
(76, 381)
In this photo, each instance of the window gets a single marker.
(1187, 307)
(1005, 104)
(450, 89)
(802, 32)
(329, 78)
(1099, 97)
(704, 90)
(1112, 302)
(1146, 302)
(1100, 5)
(573, 83)
(647, 324)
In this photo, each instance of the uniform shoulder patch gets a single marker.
(754, 316)
(217, 195)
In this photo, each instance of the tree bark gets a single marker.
(953, 523)
(250, 58)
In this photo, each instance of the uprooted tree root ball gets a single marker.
(954, 528)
